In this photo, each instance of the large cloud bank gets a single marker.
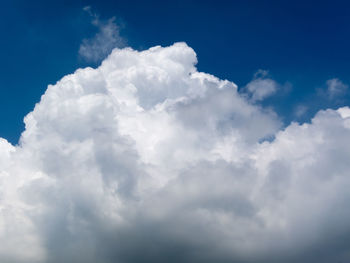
(145, 159)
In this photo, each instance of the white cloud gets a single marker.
(145, 159)
(336, 88)
(108, 37)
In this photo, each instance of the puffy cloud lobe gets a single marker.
(145, 159)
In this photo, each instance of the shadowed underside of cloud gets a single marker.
(145, 159)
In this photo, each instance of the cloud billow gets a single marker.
(145, 159)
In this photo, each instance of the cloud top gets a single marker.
(145, 159)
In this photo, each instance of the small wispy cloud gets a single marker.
(300, 110)
(261, 86)
(335, 88)
(108, 37)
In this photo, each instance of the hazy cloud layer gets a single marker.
(145, 159)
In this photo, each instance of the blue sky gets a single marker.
(300, 43)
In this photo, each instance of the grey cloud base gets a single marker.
(145, 159)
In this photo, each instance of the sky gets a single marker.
(301, 44)
(174, 131)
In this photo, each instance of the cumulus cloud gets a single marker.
(108, 37)
(335, 88)
(145, 159)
